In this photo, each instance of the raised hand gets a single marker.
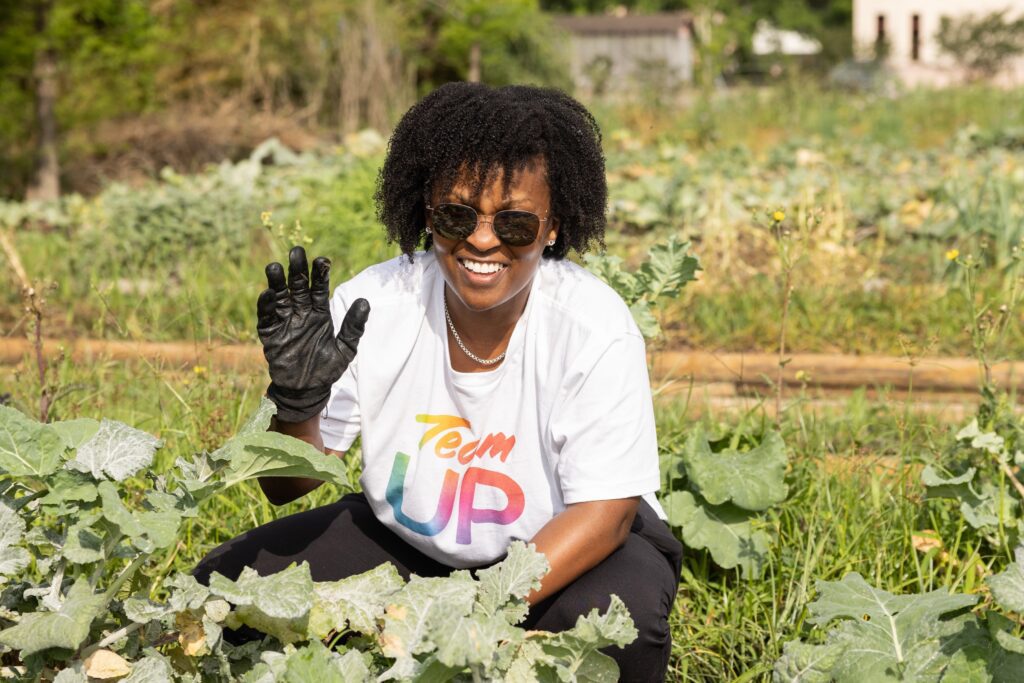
(294, 324)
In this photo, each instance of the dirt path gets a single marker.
(726, 380)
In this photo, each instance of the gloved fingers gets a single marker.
(320, 285)
(275, 282)
(266, 310)
(298, 277)
(352, 327)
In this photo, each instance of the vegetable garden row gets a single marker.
(862, 540)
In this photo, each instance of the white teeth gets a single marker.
(482, 268)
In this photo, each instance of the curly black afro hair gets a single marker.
(475, 126)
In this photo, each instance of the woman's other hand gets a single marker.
(294, 324)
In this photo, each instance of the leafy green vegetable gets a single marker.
(1008, 586)
(885, 637)
(726, 531)
(66, 628)
(27, 448)
(78, 512)
(669, 266)
(116, 451)
(753, 480)
(717, 500)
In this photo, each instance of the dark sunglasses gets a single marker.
(513, 227)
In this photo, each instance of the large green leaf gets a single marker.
(989, 441)
(806, 663)
(411, 614)
(754, 480)
(1008, 586)
(76, 432)
(609, 269)
(504, 585)
(277, 604)
(982, 505)
(149, 530)
(68, 486)
(886, 637)
(356, 602)
(726, 531)
(315, 663)
(84, 544)
(261, 454)
(115, 512)
(286, 594)
(153, 668)
(668, 268)
(470, 640)
(13, 558)
(259, 421)
(644, 318)
(27, 447)
(198, 476)
(574, 654)
(186, 592)
(66, 629)
(116, 451)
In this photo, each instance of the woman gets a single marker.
(500, 391)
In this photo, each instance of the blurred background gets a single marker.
(153, 150)
(849, 173)
(98, 90)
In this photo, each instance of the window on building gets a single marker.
(880, 30)
(915, 37)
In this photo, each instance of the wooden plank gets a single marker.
(828, 370)
(746, 372)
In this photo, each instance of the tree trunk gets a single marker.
(46, 184)
(474, 62)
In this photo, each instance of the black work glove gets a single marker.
(294, 324)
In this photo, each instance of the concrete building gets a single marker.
(909, 28)
(621, 54)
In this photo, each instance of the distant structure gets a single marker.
(769, 40)
(619, 55)
(909, 28)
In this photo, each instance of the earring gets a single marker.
(427, 229)
(551, 243)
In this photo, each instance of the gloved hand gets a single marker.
(294, 324)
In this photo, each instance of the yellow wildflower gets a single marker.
(778, 216)
(199, 369)
(952, 254)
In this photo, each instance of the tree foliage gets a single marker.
(982, 44)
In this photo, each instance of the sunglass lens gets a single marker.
(517, 228)
(454, 221)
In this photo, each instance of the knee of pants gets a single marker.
(649, 605)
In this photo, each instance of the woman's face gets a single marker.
(509, 285)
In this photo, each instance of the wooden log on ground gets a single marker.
(834, 371)
(242, 357)
(673, 370)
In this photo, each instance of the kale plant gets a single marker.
(80, 556)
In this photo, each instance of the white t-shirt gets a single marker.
(460, 464)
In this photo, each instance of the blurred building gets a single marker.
(621, 55)
(908, 28)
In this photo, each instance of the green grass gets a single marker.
(854, 502)
(184, 259)
(875, 276)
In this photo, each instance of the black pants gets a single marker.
(345, 538)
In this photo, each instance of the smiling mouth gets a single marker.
(482, 267)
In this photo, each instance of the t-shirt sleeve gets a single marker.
(340, 419)
(604, 429)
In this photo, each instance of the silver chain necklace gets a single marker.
(458, 340)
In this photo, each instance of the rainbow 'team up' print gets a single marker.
(452, 439)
